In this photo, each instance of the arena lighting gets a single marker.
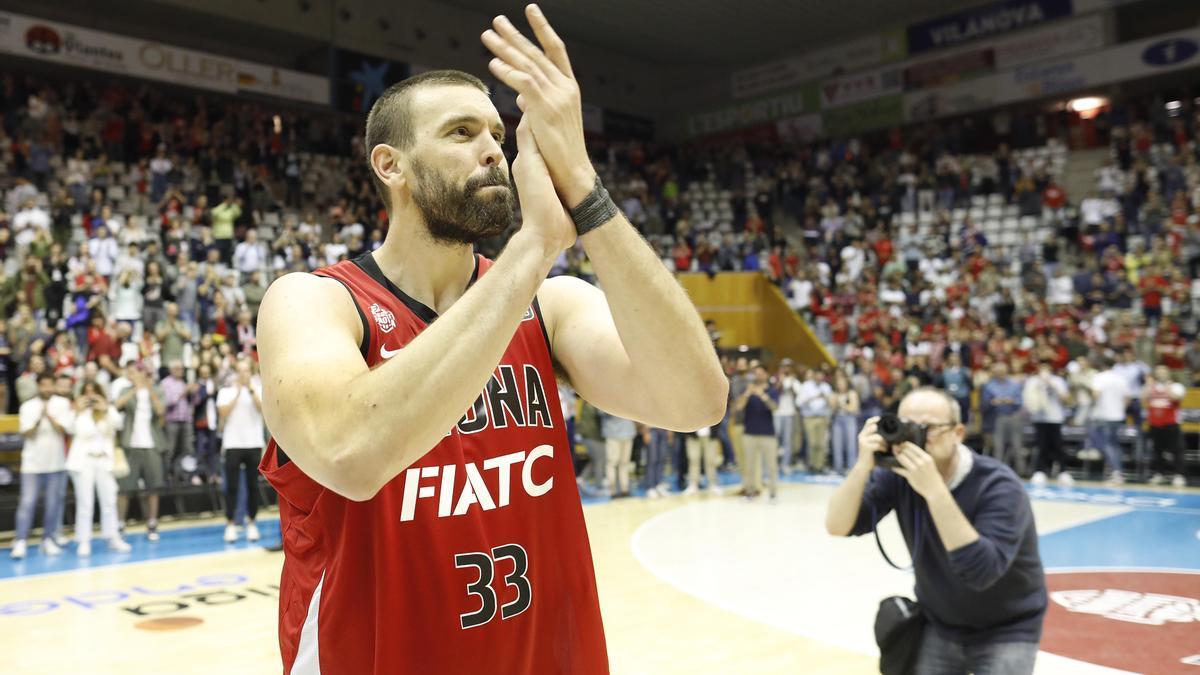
(1174, 105)
(743, 348)
(1087, 106)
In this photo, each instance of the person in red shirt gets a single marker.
(103, 347)
(1162, 398)
(883, 250)
(1054, 197)
(1153, 286)
(1170, 349)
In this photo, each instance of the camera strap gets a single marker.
(917, 540)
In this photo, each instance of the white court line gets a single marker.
(1169, 570)
(1056, 662)
(1089, 520)
(131, 563)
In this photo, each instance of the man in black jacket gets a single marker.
(969, 528)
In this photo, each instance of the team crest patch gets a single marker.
(384, 318)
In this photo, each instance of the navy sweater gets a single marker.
(993, 590)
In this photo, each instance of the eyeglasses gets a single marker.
(940, 425)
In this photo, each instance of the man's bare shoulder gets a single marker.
(302, 298)
(563, 290)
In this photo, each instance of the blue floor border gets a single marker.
(1180, 511)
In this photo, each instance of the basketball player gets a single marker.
(431, 521)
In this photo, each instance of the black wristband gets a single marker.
(595, 210)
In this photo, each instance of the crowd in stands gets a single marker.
(140, 229)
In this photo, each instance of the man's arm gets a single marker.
(639, 348)
(919, 469)
(353, 429)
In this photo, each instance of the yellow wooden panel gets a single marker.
(9, 424)
(750, 310)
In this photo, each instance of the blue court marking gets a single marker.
(1161, 500)
(174, 543)
(1143, 539)
(1161, 531)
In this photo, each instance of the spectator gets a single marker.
(103, 249)
(588, 427)
(1161, 398)
(757, 405)
(239, 406)
(657, 443)
(1112, 393)
(154, 297)
(90, 462)
(27, 384)
(956, 381)
(813, 401)
(144, 441)
(1046, 397)
(127, 300)
(250, 255)
(28, 222)
(242, 337)
(223, 217)
(1001, 401)
(179, 399)
(787, 389)
(254, 289)
(703, 444)
(618, 449)
(160, 170)
(1135, 371)
(44, 421)
(204, 414)
(844, 431)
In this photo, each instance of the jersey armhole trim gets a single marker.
(537, 311)
(366, 327)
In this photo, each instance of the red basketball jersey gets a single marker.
(475, 559)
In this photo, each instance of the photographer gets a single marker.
(968, 524)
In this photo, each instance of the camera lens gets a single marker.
(889, 425)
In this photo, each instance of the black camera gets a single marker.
(896, 431)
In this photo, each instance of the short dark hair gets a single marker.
(389, 121)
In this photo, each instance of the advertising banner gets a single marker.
(802, 129)
(751, 113)
(981, 22)
(794, 71)
(872, 84)
(1063, 38)
(880, 113)
(70, 45)
(1163, 53)
(949, 69)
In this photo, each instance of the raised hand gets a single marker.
(542, 214)
(548, 95)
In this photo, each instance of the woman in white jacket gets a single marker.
(90, 462)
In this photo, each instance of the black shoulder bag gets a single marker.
(900, 622)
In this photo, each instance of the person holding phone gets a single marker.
(90, 463)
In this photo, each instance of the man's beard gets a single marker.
(456, 215)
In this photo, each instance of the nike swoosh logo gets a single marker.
(387, 353)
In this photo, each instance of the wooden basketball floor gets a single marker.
(703, 584)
